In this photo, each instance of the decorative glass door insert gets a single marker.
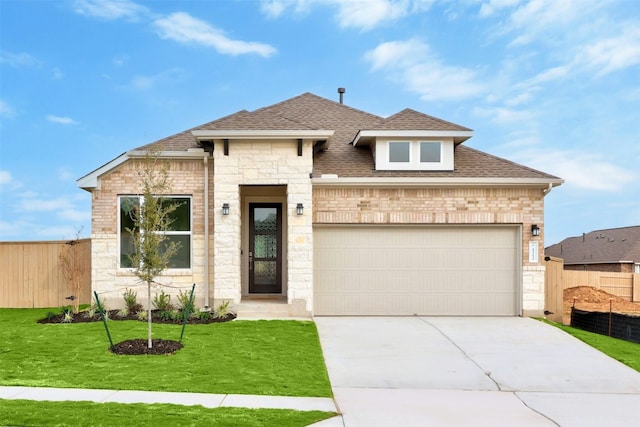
(265, 248)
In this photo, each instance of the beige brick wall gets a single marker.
(444, 205)
(187, 179)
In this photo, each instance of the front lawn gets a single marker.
(80, 414)
(281, 358)
(623, 351)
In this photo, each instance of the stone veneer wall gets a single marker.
(445, 205)
(107, 278)
(272, 162)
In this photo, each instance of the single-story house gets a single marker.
(612, 250)
(336, 211)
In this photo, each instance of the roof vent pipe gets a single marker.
(341, 91)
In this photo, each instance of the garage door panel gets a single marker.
(371, 270)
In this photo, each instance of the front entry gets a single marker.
(265, 248)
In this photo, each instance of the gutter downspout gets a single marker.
(206, 231)
(548, 190)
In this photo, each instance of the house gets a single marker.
(338, 212)
(611, 250)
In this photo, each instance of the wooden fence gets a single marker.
(557, 279)
(31, 275)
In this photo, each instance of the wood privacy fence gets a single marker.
(31, 276)
(557, 279)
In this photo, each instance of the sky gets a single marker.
(550, 84)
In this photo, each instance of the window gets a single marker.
(399, 152)
(430, 152)
(179, 230)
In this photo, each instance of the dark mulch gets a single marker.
(140, 346)
(156, 317)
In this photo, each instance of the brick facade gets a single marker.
(444, 205)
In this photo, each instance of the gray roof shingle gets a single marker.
(599, 247)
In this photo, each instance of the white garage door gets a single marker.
(423, 270)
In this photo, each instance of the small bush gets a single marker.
(204, 315)
(51, 315)
(224, 310)
(184, 303)
(141, 315)
(123, 312)
(162, 301)
(130, 299)
(68, 317)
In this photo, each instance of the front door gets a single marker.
(265, 248)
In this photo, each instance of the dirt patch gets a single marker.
(592, 299)
(140, 346)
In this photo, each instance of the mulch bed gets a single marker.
(83, 317)
(141, 346)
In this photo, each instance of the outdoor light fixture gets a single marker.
(535, 230)
(299, 209)
(225, 209)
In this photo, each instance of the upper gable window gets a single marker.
(430, 152)
(400, 152)
(414, 154)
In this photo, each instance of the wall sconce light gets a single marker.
(225, 209)
(299, 209)
(535, 230)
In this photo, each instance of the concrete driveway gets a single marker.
(487, 371)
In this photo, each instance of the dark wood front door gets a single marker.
(265, 248)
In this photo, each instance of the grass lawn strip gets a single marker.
(80, 414)
(623, 351)
(279, 358)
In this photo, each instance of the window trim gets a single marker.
(168, 233)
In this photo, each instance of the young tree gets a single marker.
(152, 217)
(73, 269)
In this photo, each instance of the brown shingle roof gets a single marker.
(409, 119)
(311, 112)
(599, 247)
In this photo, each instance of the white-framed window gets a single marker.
(399, 152)
(180, 230)
(414, 155)
(430, 152)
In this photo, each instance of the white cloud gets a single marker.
(5, 178)
(351, 13)
(6, 111)
(109, 9)
(502, 115)
(412, 63)
(42, 205)
(57, 74)
(184, 28)
(74, 215)
(613, 53)
(492, 6)
(18, 60)
(582, 170)
(61, 120)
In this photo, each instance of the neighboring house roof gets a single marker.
(309, 112)
(610, 246)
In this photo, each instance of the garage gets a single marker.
(417, 270)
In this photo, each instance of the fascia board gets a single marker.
(91, 180)
(262, 134)
(457, 135)
(435, 182)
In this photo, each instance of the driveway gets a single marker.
(472, 371)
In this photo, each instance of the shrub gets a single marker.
(183, 301)
(130, 300)
(123, 312)
(141, 315)
(204, 315)
(162, 301)
(68, 316)
(224, 310)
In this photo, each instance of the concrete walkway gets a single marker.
(445, 371)
(204, 399)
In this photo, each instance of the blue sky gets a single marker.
(551, 84)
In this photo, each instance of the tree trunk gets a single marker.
(149, 312)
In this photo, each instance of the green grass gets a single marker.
(27, 412)
(624, 351)
(239, 357)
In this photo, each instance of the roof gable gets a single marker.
(409, 119)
